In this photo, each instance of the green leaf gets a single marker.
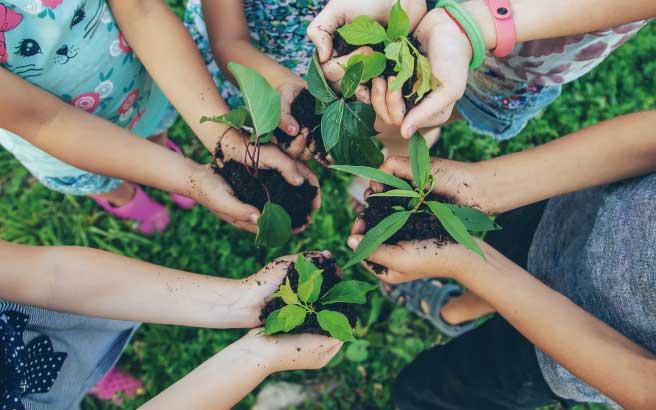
(419, 160)
(407, 67)
(262, 101)
(308, 290)
(351, 79)
(273, 324)
(374, 64)
(336, 324)
(317, 84)
(398, 24)
(287, 293)
(393, 53)
(357, 351)
(332, 124)
(363, 31)
(423, 85)
(454, 226)
(292, 316)
(266, 138)
(320, 106)
(304, 267)
(357, 151)
(374, 174)
(348, 291)
(397, 193)
(274, 226)
(377, 235)
(235, 118)
(359, 119)
(473, 219)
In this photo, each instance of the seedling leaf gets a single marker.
(423, 85)
(273, 324)
(292, 316)
(287, 293)
(348, 291)
(377, 235)
(374, 64)
(262, 101)
(407, 67)
(304, 267)
(332, 124)
(357, 351)
(235, 118)
(473, 219)
(351, 79)
(336, 324)
(357, 151)
(397, 193)
(398, 24)
(359, 120)
(317, 84)
(363, 31)
(419, 160)
(374, 174)
(393, 53)
(308, 290)
(454, 226)
(320, 106)
(274, 227)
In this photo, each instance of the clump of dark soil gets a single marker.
(296, 200)
(342, 48)
(303, 111)
(420, 226)
(331, 276)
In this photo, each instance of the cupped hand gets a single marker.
(449, 53)
(259, 287)
(463, 183)
(340, 12)
(291, 352)
(298, 147)
(235, 145)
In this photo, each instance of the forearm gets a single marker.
(601, 356)
(563, 17)
(96, 283)
(230, 38)
(219, 383)
(611, 151)
(172, 59)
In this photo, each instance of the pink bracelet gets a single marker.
(505, 27)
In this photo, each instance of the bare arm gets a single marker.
(600, 356)
(223, 380)
(172, 59)
(96, 283)
(608, 152)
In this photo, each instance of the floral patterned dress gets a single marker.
(74, 50)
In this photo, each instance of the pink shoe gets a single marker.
(115, 385)
(151, 215)
(182, 201)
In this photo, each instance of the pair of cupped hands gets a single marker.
(448, 51)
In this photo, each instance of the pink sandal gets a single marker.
(115, 385)
(182, 201)
(152, 216)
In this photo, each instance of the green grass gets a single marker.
(199, 242)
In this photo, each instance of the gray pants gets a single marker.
(91, 347)
(598, 248)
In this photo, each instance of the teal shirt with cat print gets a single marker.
(74, 50)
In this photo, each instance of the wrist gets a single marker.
(481, 15)
(251, 354)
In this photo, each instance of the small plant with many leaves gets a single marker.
(314, 299)
(404, 213)
(284, 207)
(347, 126)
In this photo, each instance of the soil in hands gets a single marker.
(331, 276)
(296, 200)
(342, 48)
(422, 225)
(303, 111)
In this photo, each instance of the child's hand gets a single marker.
(340, 12)
(464, 183)
(290, 352)
(259, 287)
(449, 53)
(298, 148)
(408, 261)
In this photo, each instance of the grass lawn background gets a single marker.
(197, 241)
